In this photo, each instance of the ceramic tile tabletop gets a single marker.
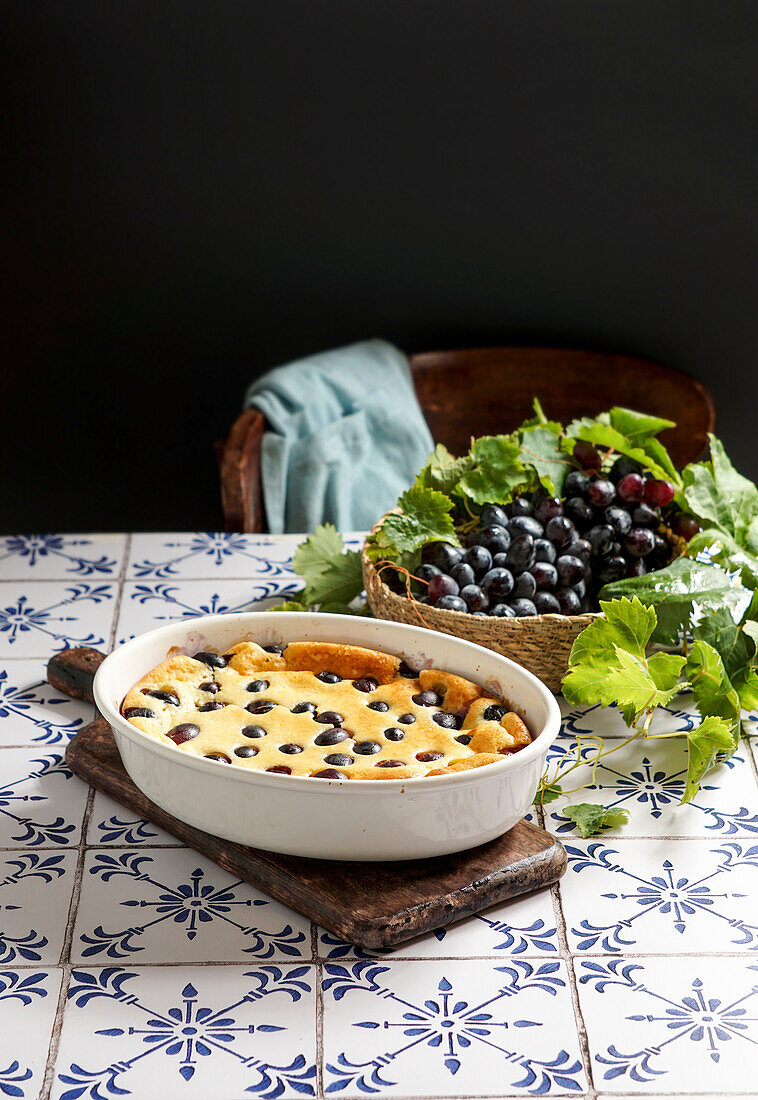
(132, 966)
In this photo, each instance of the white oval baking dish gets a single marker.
(333, 819)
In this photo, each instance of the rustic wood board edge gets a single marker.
(446, 889)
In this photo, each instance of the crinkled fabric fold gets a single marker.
(346, 436)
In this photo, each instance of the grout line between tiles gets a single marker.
(318, 978)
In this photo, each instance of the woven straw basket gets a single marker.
(541, 644)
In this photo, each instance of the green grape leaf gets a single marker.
(725, 551)
(333, 577)
(424, 517)
(540, 448)
(607, 664)
(591, 818)
(442, 471)
(711, 739)
(496, 471)
(714, 695)
(674, 590)
(637, 426)
(722, 498)
(732, 641)
(602, 434)
(547, 792)
(540, 420)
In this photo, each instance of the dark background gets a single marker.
(195, 191)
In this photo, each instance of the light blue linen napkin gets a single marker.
(346, 437)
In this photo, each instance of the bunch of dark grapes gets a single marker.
(540, 555)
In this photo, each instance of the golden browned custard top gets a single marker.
(322, 710)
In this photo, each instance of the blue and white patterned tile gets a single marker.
(111, 823)
(40, 619)
(673, 1023)
(175, 1032)
(647, 779)
(661, 895)
(35, 893)
(171, 905)
(61, 557)
(450, 1028)
(523, 926)
(28, 1001)
(32, 712)
(208, 554)
(599, 721)
(41, 803)
(149, 604)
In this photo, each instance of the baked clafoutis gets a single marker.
(325, 711)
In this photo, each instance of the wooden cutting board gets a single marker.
(371, 905)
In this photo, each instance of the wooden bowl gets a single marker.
(541, 644)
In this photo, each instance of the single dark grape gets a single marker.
(600, 538)
(443, 585)
(441, 554)
(426, 572)
(547, 508)
(545, 575)
(618, 518)
(524, 587)
(587, 456)
(560, 531)
(644, 516)
(451, 603)
(601, 493)
(502, 611)
(546, 604)
(463, 574)
(570, 569)
(580, 588)
(630, 488)
(496, 539)
(523, 608)
(498, 584)
(576, 483)
(544, 551)
(521, 553)
(659, 555)
(475, 598)
(580, 548)
(519, 506)
(579, 512)
(525, 525)
(622, 467)
(637, 567)
(639, 542)
(479, 558)
(493, 515)
(499, 561)
(611, 568)
(568, 601)
(685, 525)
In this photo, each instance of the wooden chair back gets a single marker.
(488, 391)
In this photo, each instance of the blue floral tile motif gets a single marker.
(111, 823)
(27, 1006)
(169, 1038)
(607, 721)
(31, 711)
(687, 1022)
(33, 918)
(473, 1019)
(683, 895)
(60, 555)
(167, 908)
(648, 781)
(209, 550)
(38, 803)
(149, 605)
(48, 618)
